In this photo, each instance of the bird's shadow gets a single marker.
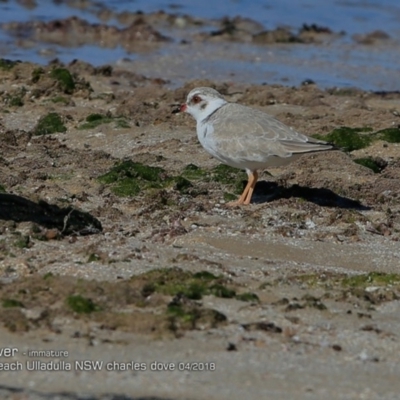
(266, 192)
(67, 220)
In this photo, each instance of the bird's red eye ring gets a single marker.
(196, 99)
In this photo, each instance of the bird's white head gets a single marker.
(201, 102)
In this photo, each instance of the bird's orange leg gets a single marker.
(247, 192)
(252, 181)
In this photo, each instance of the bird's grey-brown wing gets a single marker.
(252, 135)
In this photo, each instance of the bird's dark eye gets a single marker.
(196, 99)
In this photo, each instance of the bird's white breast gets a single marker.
(207, 138)
(204, 132)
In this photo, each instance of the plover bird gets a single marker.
(244, 137)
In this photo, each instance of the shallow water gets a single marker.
(350, 16)
(341, 64)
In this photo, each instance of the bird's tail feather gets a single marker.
(306, 147)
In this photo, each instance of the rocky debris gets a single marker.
(371, 37)
(139, 33)
(67, 221)
(74, 31)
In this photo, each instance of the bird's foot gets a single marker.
(233, 203)
(237, 203)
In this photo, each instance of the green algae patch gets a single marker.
(81, 305)
(370, 163)
(93, 257)
(36, 74)
(338, 281)
(94, 120)
(373, 288)
(348, 139)
(184, 316)
(225, 174)
(132, 169)
(220, 290)
(59, 99)
(2, 189)
(175, 281)
(129, 178)
(7, 65)
(182, 185)
(15, 101)
(193, 172)
(229, 176)
(121, 123)
(343, 279)
(50, 123)
(126, 187)
(371, 279)
(391, 135)
(15, 98)
(251, 297)
(205, 276)
(64, 79)
(23, 242)
(48, 275)
(230, 197)
(11, 303)
(118, 305)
